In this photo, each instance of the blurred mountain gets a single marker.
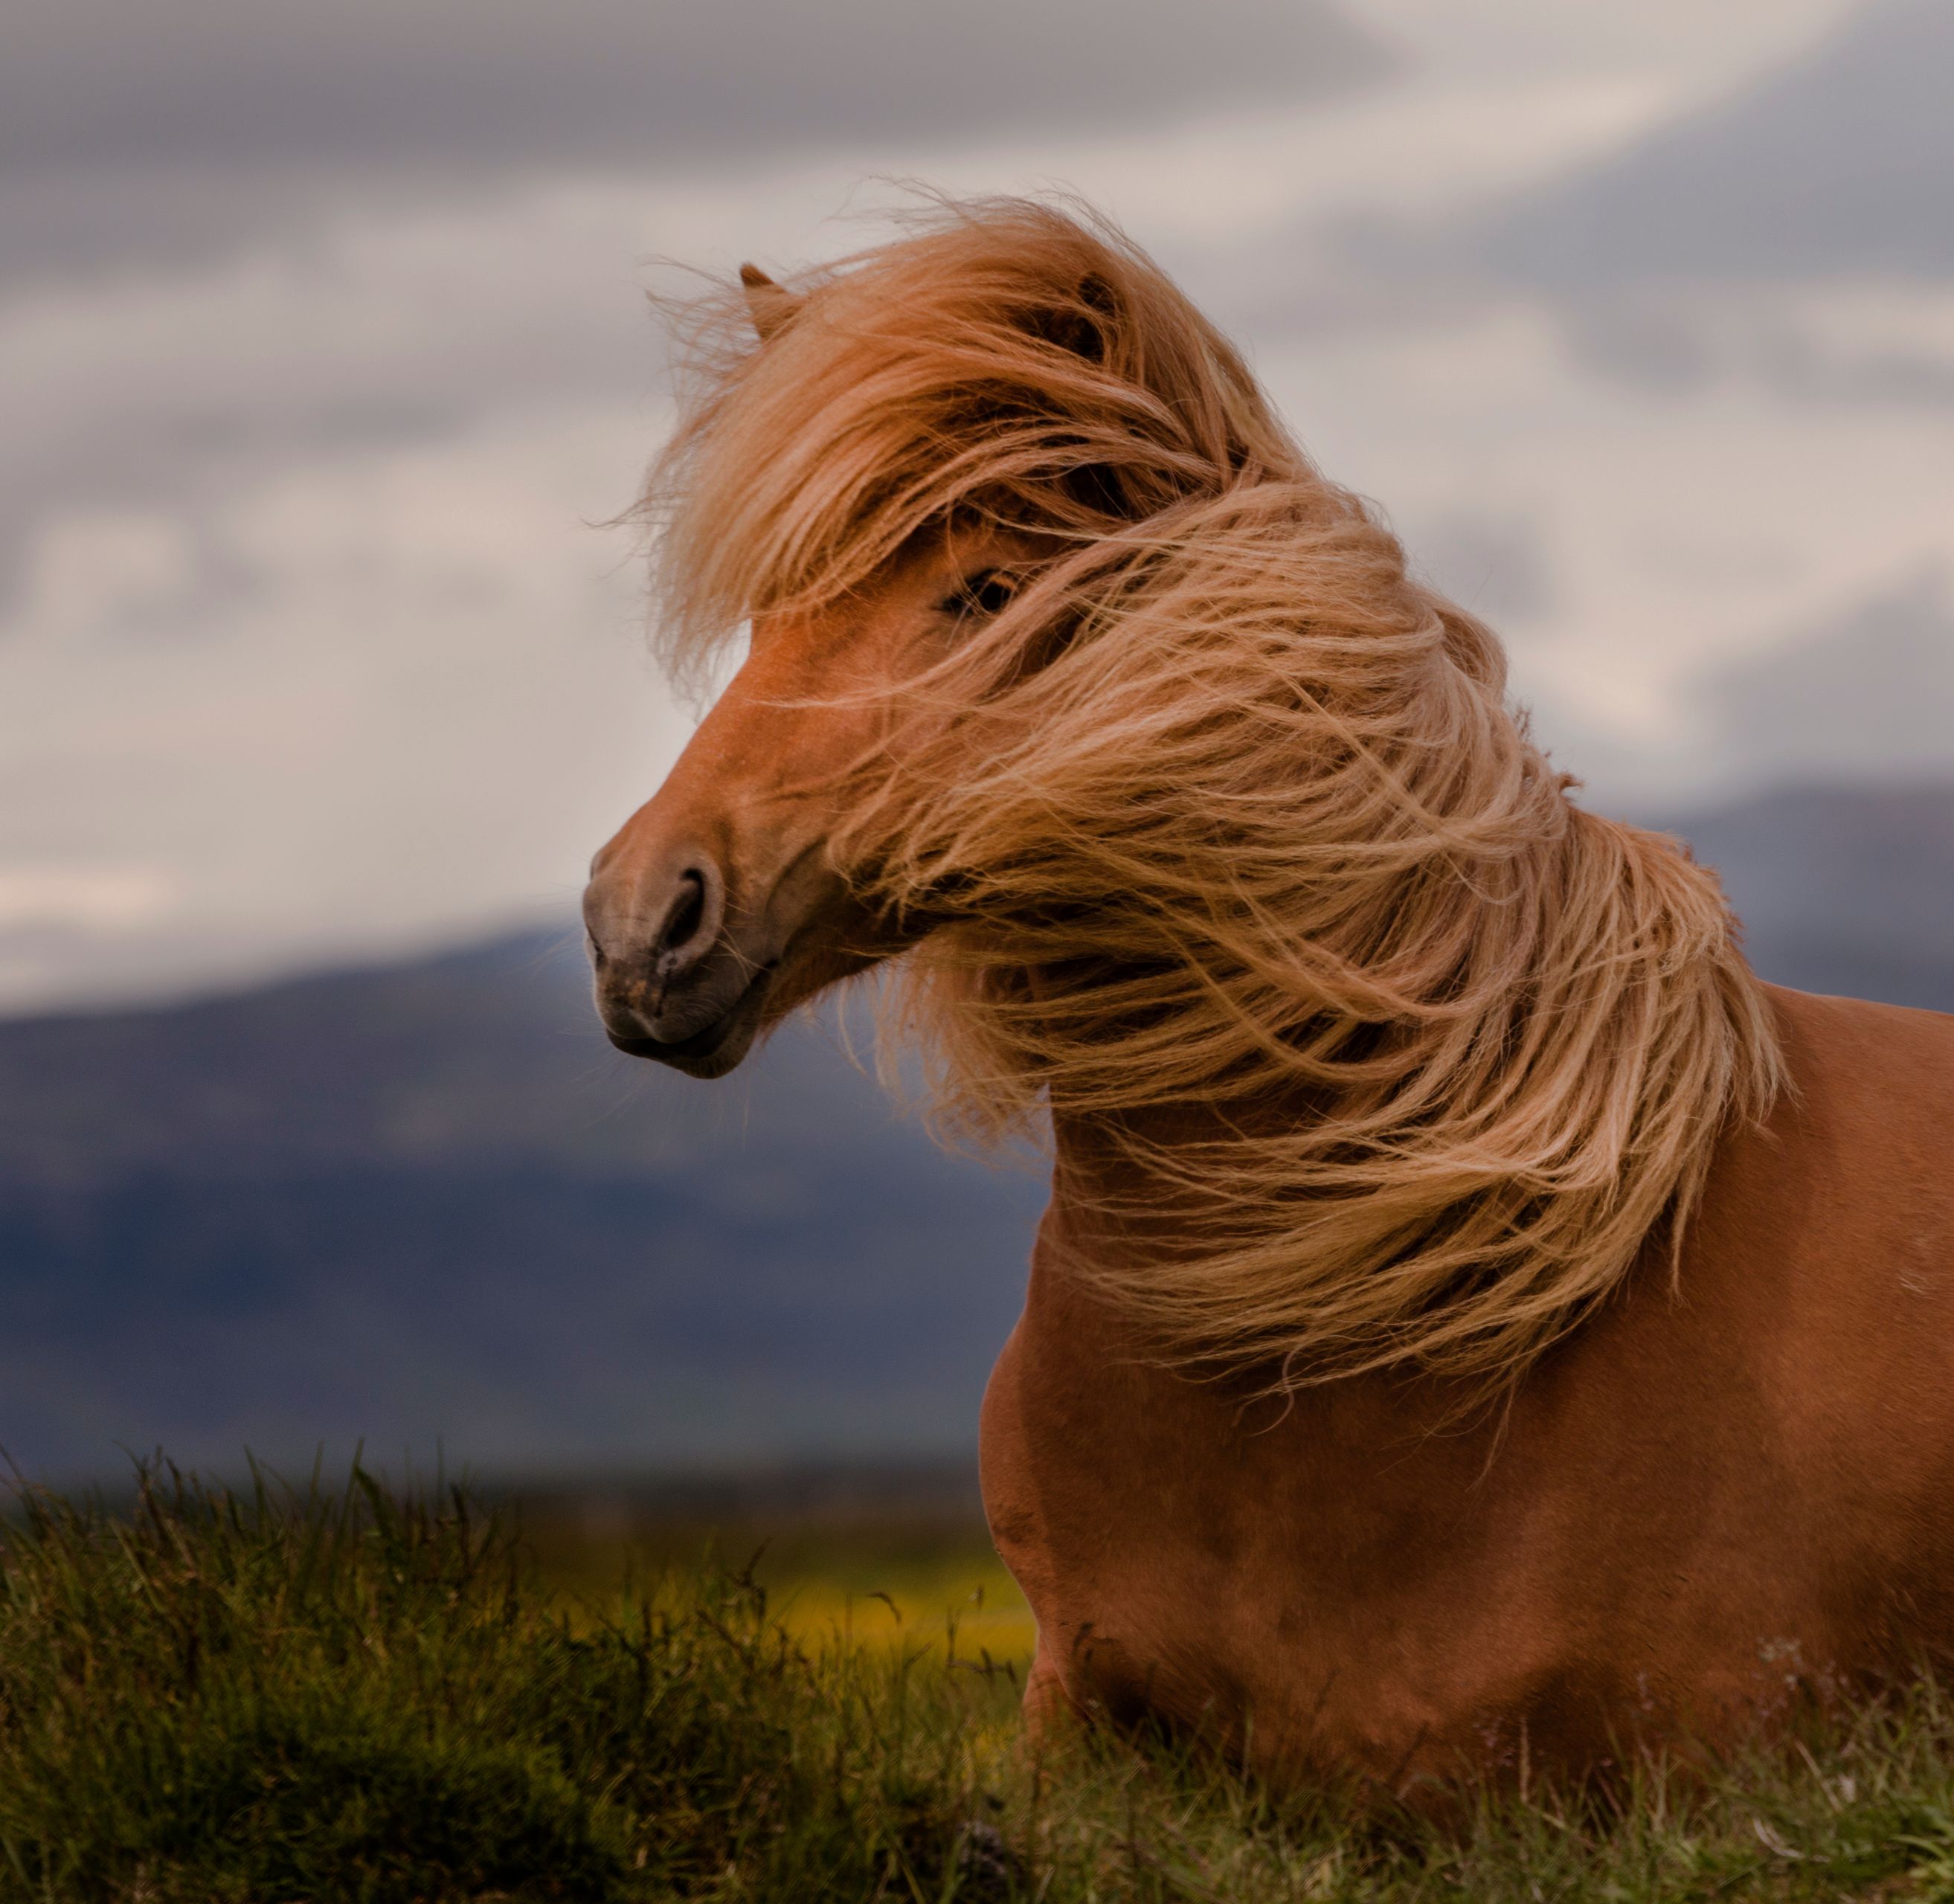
(426, 1201)
(429, 1201)
(1842, 162)
(1843, 890)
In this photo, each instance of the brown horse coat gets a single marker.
(1719, 1495)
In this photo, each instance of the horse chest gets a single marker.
(1186, 1564)
(1348, 1590)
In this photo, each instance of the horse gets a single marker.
(1478, 1325)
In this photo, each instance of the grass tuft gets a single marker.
(276, 1695)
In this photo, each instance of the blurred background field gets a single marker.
(888, 1561)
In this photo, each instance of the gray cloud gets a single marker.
(127, 128)
(180, 388)
(1498, 567)
(1868, 695)
(1842, 162)
(310, 648)
(1892, 345)
(248, 81)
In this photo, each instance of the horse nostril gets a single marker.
(688, 909)
(691, 922)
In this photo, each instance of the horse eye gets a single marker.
(987, 592)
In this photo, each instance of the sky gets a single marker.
(328, 364)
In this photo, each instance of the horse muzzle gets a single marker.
(674, 981)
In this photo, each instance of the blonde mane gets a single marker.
(1233, 850)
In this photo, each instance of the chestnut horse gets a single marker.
(1477, 1323)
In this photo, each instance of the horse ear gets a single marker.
(770, 305)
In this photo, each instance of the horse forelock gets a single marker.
(1008, 360)
(1399, 1057)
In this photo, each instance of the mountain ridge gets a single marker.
(424, 1203)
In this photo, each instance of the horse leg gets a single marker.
(1050, 1716)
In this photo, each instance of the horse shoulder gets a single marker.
(1767, 1440)
(1825, 1251)
(1842, 1204)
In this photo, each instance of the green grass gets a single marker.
(276, 1697)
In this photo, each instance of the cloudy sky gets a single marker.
(326, 360)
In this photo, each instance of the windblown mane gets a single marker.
(1235, 851)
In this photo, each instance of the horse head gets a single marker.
(867, 490)
(719, 907)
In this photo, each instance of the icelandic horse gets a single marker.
(1477, 1322)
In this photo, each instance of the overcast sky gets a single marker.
(326, 355)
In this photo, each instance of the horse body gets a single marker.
(1477, 1324)
(1724, 1494)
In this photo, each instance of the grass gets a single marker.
(273, 1696)
(904, 1578)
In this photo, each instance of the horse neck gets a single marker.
(1104, 1195)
